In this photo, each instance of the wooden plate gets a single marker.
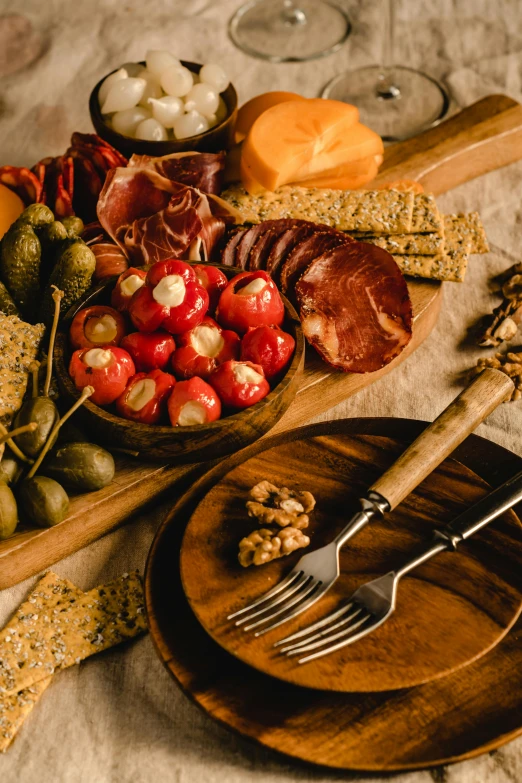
(470, 712)
(450, 611)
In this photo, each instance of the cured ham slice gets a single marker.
(355, 307)
(201, 170)
(252, 235)
(259, 254)
(109, 260)
(228, 255)
(152, 217)
(309, 248)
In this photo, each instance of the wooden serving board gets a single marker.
(485, 136)
(462, 715)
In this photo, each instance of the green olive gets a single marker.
(82, 467)
(8, 512)
(10, 470)
(44, 412)
(42, 501)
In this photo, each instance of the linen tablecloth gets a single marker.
(118, 717)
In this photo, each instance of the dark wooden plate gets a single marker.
(460, 716)
(450, 611)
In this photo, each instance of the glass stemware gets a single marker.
(395, 101)
(288, 31)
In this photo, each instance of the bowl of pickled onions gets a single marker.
(165, 105)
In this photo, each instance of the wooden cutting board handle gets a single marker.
(485, 136)
(443, 435)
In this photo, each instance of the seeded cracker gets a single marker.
(466, 232)
(375, 211)
(52, 592)
(69, 632)
(449, 266)
(407, 244)
(19, 344)
(426, 217)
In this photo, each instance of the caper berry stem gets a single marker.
(86, 393)
(14, 448)
(18, 431)
(33, 369)
(57, 298)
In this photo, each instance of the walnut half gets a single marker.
(509, 363)
(280, 505)
(264, 545)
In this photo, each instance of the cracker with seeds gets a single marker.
(407, 244)
(449, 266)
(19, 345)
(466, 232)
(60, 633)
(426, 218)
(374, 211)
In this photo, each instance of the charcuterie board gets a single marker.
(483, 137)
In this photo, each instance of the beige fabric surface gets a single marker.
(118, 717)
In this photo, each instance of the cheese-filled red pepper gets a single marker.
(126, 286)
(268, 346)
(250, 299)
(214, 280)
(193, 402)
(171, 299)
(149, 350)
(239, 384)
(145, 396)
(203, 348)
(95, 326)
(107, 370)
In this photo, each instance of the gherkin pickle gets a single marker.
(7, 303)
(20, 265)
(37, 215)
(72, 274)
(73, 225)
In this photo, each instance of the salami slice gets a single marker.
(304, 253)
(355, 307)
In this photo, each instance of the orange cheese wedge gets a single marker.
(252, 109)
(11, 207)
(355, 168)
(286, 138)
(344, 182)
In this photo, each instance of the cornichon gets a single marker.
(82, 467)
(73, 225)
(7, 303)
(72, 274)
(8, 511)
(42, 501)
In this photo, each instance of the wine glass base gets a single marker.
(396, 103)
(269, 29)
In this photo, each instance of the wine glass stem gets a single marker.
(292, 15)
(386, 87)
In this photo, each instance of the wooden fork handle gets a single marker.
(441, 437)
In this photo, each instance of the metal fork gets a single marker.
(317, 571)
(374, 602)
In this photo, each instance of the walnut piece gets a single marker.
(502, 325)
(280, 505)
(264, 545)
(510, 363)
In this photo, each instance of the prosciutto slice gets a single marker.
(201, 170)
(355, 307)
(109, 260)
(152, 217)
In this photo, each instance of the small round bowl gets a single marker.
(220, 137)
(198, 443)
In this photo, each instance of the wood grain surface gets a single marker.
(467, 713)
(450, 611)
(138, 484)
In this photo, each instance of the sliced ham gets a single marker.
(109, 260)
(355, 307)
(304, 252)
(152, 217)
(201, 170)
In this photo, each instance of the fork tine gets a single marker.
(343, 643)
(314, 596)
(273, 591)
(319, 624)
(328, 630)
(327, 639)
(305, 587)
(294, 587)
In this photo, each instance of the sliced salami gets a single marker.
(355, 307)
(304, 253)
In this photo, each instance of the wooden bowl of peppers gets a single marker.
(189, 362)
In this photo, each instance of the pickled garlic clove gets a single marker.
(133, 69)
(215, 76)
(166, 109)
(222, 111)
(153, 88)
(158, 60)
(124, 94)
(127, 121)
(176, 81)
(107, 83)
(203, 99)
(151, 130)
(190, 124)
